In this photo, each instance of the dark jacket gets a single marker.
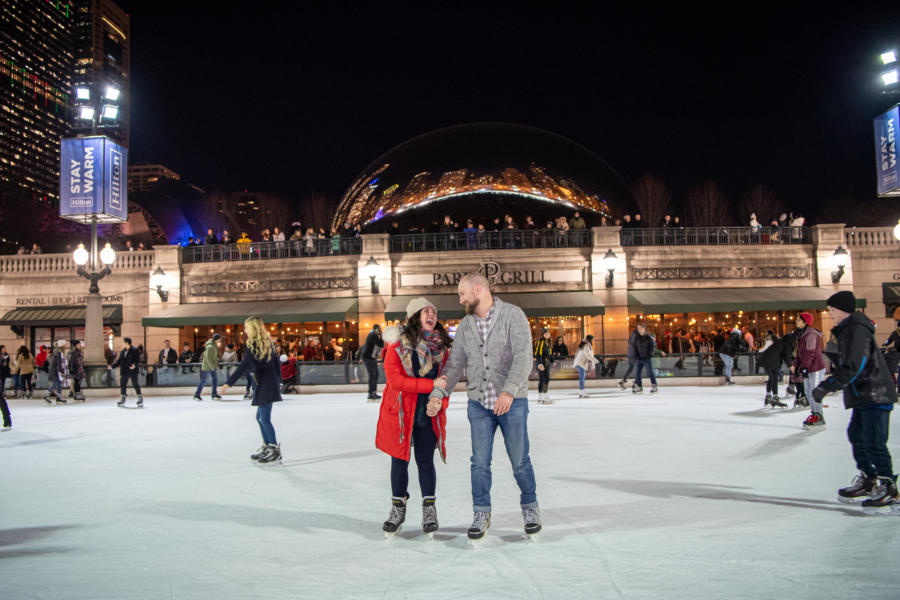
(779, 352)
(858, 366)
(168, 356)
(542, 353)
(734, 344)
(76, 363)
(266, 372)
(186, 357)
(126, 360)
(644, 346)
(633, 354)
(57, 363)
(372, 348)
(4, 365)
(561, 350)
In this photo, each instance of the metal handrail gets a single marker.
(714, 236)
(490, 240)
(272, 250)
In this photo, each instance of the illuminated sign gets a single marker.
(93, 180)
(886, 152)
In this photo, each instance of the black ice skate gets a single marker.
(121, 401)
(79, 397)
(397, 516)
(621, 385)
(140, 402)
(216, 397)
(49, 398)
(774, 401)
(637, 389)
(653, 389)
(859, 488)
(259, 453)
(480, 524)
(532, 518)
(429, 516)
(885, 498)
(272, 454)
(198, 398)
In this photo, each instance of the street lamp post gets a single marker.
(93, 326)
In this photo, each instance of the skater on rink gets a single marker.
(209, 367)
(774, 352)
(810, 365)
(644, 346)
(632, 358)
(584, 360)
(858, 368)
(262, 364)
(4, 373)
(543, 359)
(412, 366)
(493, 345)
(128, 362)
(57, 372)
(76, 370)
(368, 356)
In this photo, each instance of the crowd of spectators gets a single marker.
(275, 242)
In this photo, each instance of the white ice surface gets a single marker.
(692, 493)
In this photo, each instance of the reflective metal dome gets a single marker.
(480, 171)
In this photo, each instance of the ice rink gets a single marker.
(691, 493)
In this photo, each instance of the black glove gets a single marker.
(819, 393)
(803, 372)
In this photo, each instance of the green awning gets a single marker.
(890, 296)
(535, 304)
(661, 301)
(48, 316)
(270, 311)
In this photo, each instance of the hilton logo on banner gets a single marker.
(93, 181)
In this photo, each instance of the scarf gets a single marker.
(430, 348)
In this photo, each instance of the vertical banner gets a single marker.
(93, 180)
(886, 152)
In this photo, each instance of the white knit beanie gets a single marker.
(417, 304)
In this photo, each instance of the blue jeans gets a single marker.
(868, 434)
(641, 364)
(204, 375)
(264, 418)
(53, 383)
(729, 364)
(514, 426)
(581, 374)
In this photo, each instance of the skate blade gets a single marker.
(843, 500)
(891, 510)
(390, 534)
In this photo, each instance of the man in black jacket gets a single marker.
(859, 369)
(644, 348)
(128, 362)
(369, 357)
(167, 356)
(632, 356)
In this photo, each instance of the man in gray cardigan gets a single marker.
(493, 345)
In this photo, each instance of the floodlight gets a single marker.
(83, 93)
(107, 255)
(80, 256)
(87, 113)
(112, 93)
(889, 77)
(889, 57)
(110, 112)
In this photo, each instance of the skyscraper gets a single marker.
(36, 62)
(101, 32)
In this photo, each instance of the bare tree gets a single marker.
(706, 206)
(653, 198)
(762, 201)
(317, 211)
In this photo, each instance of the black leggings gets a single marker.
(424, 441)
(544, 379)
(772, 383)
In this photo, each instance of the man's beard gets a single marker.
(472, 306)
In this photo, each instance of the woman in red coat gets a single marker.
(407, 418)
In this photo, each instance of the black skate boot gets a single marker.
(621, 385)
(121, 401)
(768, 399)
(860, 487)
(397, 516)
(272, 454)
(259, 453)
(636, 389)
(884, 499)
(216, 397)
(429, 516)
(140, 402)
(198, 398)
(653, 388)
(532, 518)
(776, 402)
(480, 523)
(49, 398)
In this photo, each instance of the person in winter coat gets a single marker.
(644, 349)
(288, 368)
(810, 365)
(584, 360)
(4, 373)
(25, 364)
(559, 348)
(57, 371)
(368, 356)
(734, 344)
(412, 366)
(128, 362)
(41, 359)
(632, 356)
(76, 369)
(859, 369)
(262, 364)
(891, 348)
(775, 351)
(543, 357)
(208, 369)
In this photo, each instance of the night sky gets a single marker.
(298, 97)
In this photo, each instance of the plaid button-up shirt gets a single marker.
(489, 393)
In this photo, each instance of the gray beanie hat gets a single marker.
(417, 304)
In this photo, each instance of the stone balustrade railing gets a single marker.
(63, 263)
(870, 237)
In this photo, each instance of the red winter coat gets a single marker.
(398, 407)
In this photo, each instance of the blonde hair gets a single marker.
(258, 340)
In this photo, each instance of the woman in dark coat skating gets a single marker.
(262, 364)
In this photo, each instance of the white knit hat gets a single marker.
(417, 304)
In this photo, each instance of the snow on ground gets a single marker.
(691, 493)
